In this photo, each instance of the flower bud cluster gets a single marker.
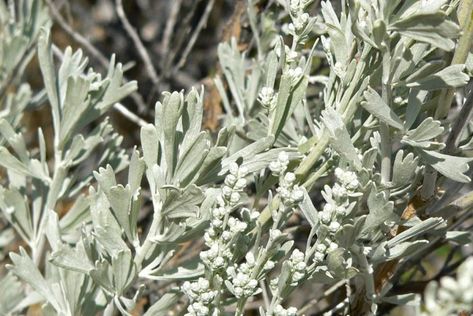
(200, 296)
(222, 227)
(300, 18)
(281, 311)
(267, 98)
(289, 192)
(241, 277)
(452, 295)
(278, 166)
(235, 182)
(348, 179)
(298, 266)
(295, 74)
(335, 211)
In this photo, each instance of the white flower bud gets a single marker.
(334, 226)
(283, 158)
(297, 195)
(250, 258)
(291, 311)
(233, 168)
(240, 184)
(235, 197)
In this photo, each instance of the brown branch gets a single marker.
(137, 42)
(202, 23)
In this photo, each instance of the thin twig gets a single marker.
(462, 119)
(120, 108)
(202, 23)
(77, 37)
(168, 30)
(314, 301)
(153, 75)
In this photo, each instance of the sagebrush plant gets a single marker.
(334, 181)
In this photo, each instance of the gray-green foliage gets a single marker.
(224, 210)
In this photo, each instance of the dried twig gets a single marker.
(462, 119)
(202, 23)
(325, 294)
(77, 37)
(168, 30)
(137, 42)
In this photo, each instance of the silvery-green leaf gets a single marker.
(106, 228)
(404, 249)
(45, 57)
(378, 108)
(52, 229)
(15, 140)
(57, 187)
(414, 102)
(102, 275)
(277, 117)
(12, 294)
(76, 288)
(428, 68)
(182, 232)
(106, 178)
(124, 270)
(468, 146)
(163, 305)
(190, 161)
(369, 158)
(150, 145)
(110, 239)
(262, 160)
(74, 259)
(450, 166)
(211, 165)
(135, 171)
(284, 276)
(449, 77)
(339, 137)
(404, 168)
(189, 270)
(410, 299)
(26, 270)
(119, 198)
(75, 103)
(433, 28)
(10, 162)
(289, 97)
(307, 208)
(421, 228)
(192, 118)
(247, 152)
(77, 214)
(183, 203)
(423, 134)
(335, 263)
(15, 209)
(380, 211)
(459, 237)
(339, 45)
(272, 68)
(115, 90)
(349, 233)
(172, 108)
